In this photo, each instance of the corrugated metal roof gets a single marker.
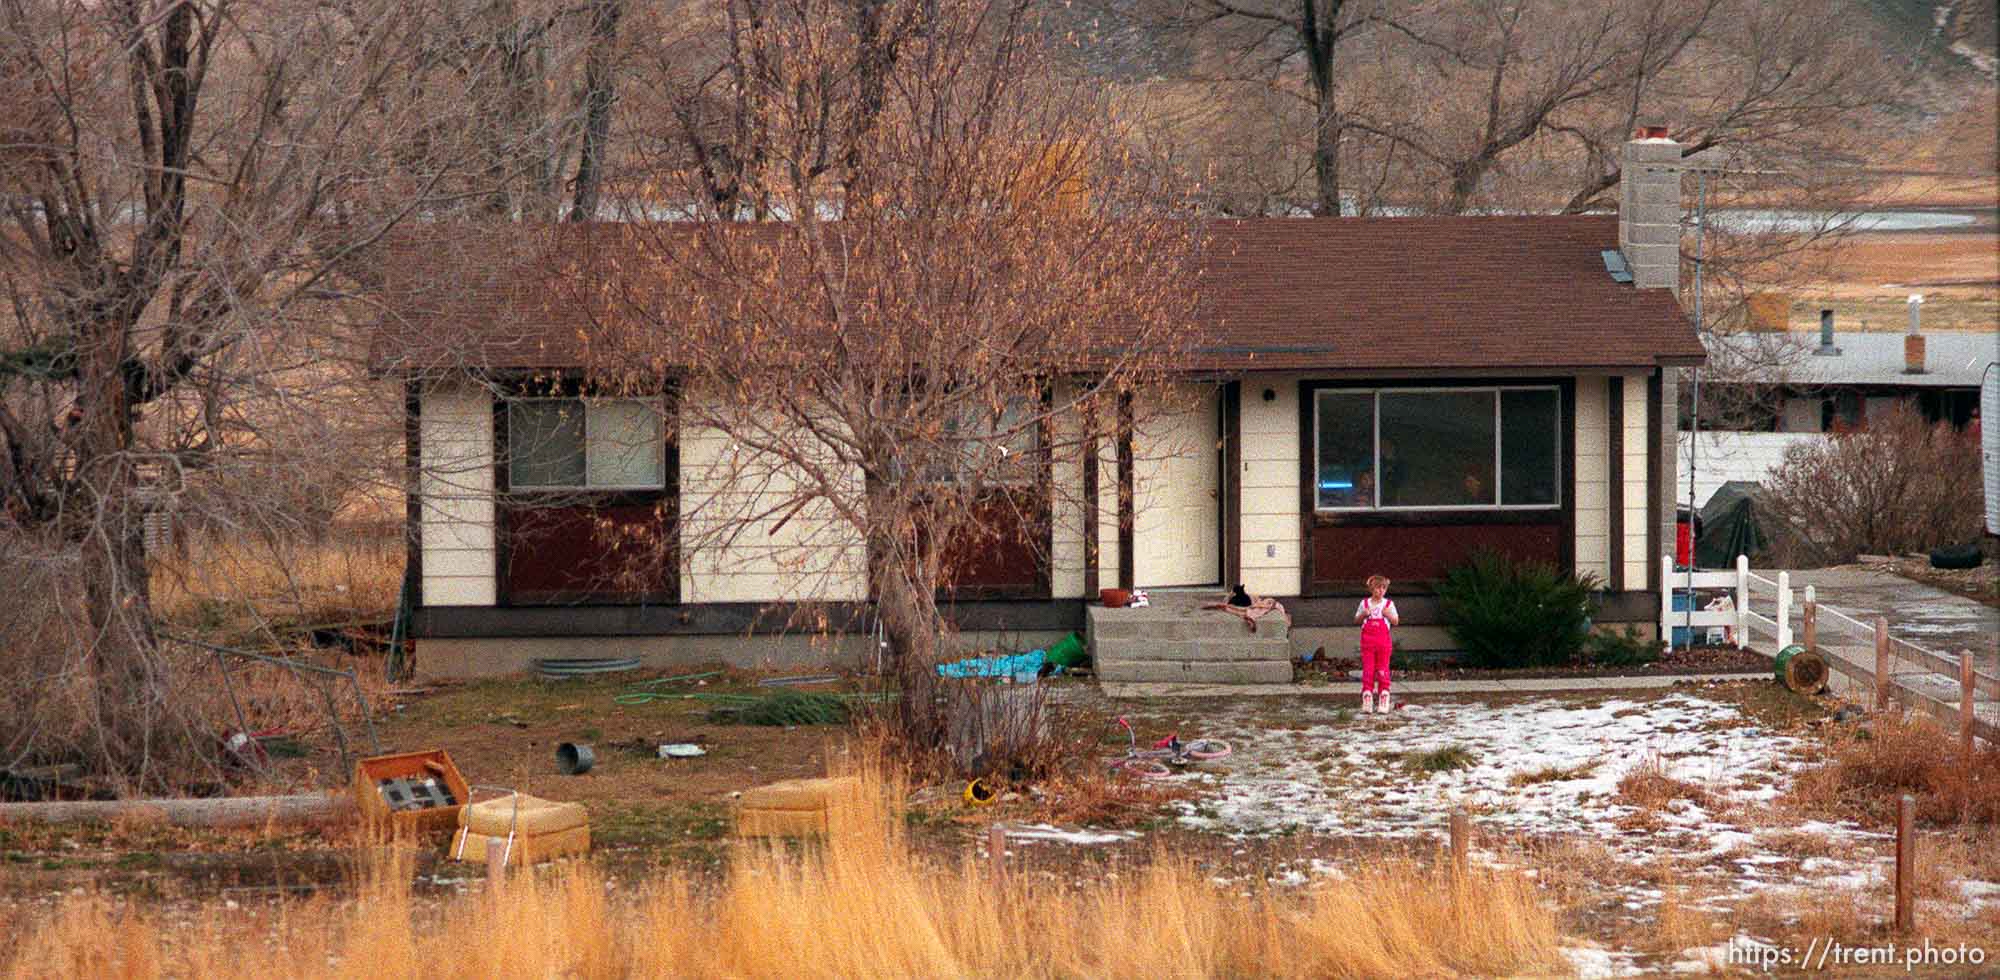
(1953, 359)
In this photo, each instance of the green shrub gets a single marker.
(1505, 613)
(1625, 648)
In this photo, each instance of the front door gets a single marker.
(1177, 500)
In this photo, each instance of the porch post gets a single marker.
(1125, 490)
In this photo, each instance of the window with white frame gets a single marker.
(1438, 448)
(585, 444)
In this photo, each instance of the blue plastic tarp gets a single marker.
(1020, 666)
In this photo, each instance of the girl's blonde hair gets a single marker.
(1378, 581)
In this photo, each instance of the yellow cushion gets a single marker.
(496, 818)
(798, 794)
(780, 823)
(469, 845)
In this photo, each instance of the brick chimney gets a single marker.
(1649, 208)
(1913, 343)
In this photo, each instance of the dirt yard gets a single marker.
(1660, 824)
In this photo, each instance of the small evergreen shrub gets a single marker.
(1507, 613)
(1626, 648)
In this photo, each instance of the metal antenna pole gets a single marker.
(1694, 412)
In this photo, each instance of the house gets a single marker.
(1826, 383)
(1376, 396)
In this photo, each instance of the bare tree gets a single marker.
(958, 290)
(1297, 46)
(1451, 107)
(186, 186)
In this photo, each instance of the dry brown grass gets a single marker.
(862, 905)
(1868, 768)
(1650, 786)
(1676, 926)
(242, 585)
(1553, 774)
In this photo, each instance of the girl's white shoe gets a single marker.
(1383, 704)
(1367, 702)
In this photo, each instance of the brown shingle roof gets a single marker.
(1478, 293)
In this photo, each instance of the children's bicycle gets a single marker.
(1166, 754)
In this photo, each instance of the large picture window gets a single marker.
(1438, 448)
(576, 444)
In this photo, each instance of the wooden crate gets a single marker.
(370, 773)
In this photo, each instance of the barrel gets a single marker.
(1801, 670)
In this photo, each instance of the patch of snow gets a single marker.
(1978, 891)
(1701, 959)
(1049, 832)
(1351, 780)
(1592, 963)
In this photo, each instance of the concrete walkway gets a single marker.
(1517, 685)
(1929, 617)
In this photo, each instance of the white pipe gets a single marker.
(1742, 601)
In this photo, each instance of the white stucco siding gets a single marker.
(1720, 457)
(1270, 485)
(1637, 490)
(1593, 478)
(455, 494)
(1066, 504)
(746, 536)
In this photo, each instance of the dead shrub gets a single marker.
(1898, 486)
(49, 707)
(1870, 767)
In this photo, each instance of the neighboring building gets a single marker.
(1380, 395)
(1831, 382)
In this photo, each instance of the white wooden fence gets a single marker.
(1746, 587)
(1950, 688)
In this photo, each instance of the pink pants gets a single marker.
(1375, 648)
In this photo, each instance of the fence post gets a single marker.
(1784, 610)
(1882, 678)
(1965, 703)
(1667, 601)
(1461, 840)
(1906, 864)
(1809, 621)
(1742, 602)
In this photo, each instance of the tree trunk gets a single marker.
(242, 811)
(599, 91)
(908, 612)
(1326, 160)
(128, 682)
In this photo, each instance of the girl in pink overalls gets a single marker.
(1376, 614)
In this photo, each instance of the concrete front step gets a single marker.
(1180, 616)
(1194, 671)
(1168, 649)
